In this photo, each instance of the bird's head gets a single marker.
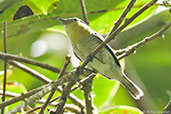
(75, 27)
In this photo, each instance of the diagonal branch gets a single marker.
(87, 88)
(22, 96)
(167, 108)
(84, 12)
(115, 33)
(64, 95)
(72, 108)
(131, 49)
(28, 61)
(46, 87)
(83, 81)
(5, 64)
(37, 95)
(30, 71)
(123, 15)
(67, 61)
(46, 80)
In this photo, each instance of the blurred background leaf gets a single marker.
(15, 88)
(40, 36)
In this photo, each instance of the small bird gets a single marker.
(84, 40)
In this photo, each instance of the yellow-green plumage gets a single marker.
(84, 40)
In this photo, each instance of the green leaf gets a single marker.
(36, 23)
(42, 7)
(102, 88)
(15, 88)
(5, 4)
(9, 73)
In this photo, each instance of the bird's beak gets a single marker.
(63, 20)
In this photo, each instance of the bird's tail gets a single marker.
(132, 88)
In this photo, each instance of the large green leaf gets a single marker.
(5, 4)
(110, 93)
(65, 8)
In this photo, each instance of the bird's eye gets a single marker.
(75, 19)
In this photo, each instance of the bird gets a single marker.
(84, 40)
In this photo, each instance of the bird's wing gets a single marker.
(100, 37)
(77, 56)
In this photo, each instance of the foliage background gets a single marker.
(41, 37)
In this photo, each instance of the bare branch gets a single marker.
(37, 95)
(115, 33)
(22, 96)
(83, 81)
(29, 61)
(71, 108)
(30, 71)
(9, 94)
(43, 102)
(123, 15)
(46, 80)
(67, 61)
(132, 48)
(84, 12)
(167, 108)
(5, 63)
(87, 87)
(46, 87)
(66, 91)
(26, 108)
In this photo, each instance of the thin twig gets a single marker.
(87, 87)
(39, 107)
(114, 34)
(30, 71)
(83, 81)
(84, 12)
(70, 107)
(29, 61)
(44, 90)
(12, 94)
(26, 108)
(33, 98)
(44, 79)
(167, 108)
(22, 96)
(73, 108)
(67, 61)
(9, 94)
(64, 95)
(46, 87)
(5, 63)
(132, 48)
(123, 15)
